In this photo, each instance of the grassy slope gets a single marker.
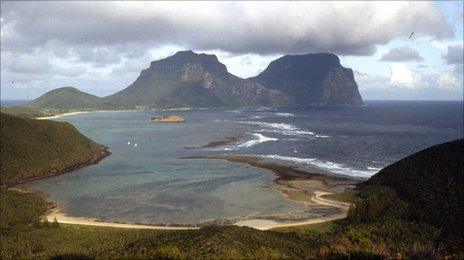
(432, 183)
(24, 112)
(19, 208)
(66, 99)
(31, 148)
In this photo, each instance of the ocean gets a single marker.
(149, 183)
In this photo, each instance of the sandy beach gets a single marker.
(64, 114)
(65, 219)
(265, 224)
(261, 224)
(81, 112)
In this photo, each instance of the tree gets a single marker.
(55, 223)
(45, 222)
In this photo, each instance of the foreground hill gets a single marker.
(24, 111)
(32, 149)
(66, 99)
(432, 182)
(312, 79)
(188, 79)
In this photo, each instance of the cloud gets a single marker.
(454, 54)
(428, 78)
(402, 54)
(349, 28)
(51, 44)
(402, 76)
(40, 65)
(28, 63)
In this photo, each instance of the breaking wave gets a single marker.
(337, 168)
(281, 128)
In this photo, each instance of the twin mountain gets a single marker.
(188, 79)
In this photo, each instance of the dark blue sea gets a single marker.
(145, 181)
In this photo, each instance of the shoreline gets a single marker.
(296, 185)
(265, 224)
(283, 172)
(256, 223)
(54, 213)
(84, 112)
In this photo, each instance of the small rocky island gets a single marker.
(167, 119)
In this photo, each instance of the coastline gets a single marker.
(84, 112)
(265, 224)
(306, 187)
(256, 223)
(296, 185)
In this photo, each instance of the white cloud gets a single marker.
(427, 78)
(447, 80)
(404, 53)
(402, 76)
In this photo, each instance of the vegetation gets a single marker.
(349, 196)
(39, 148)
(432, 183)
(24, 112)
(19, 208)
(66, 99)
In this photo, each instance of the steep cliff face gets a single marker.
(187, 79)
(312, 79)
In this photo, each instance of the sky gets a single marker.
(101, 47)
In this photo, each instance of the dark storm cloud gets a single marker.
(100, 32)
(402, 54)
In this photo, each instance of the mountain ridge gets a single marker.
(189, 79)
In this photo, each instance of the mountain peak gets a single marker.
(185, 53)
(65, 98)
(189, 55)
(321, 59)
(178, 61)
(312, 79)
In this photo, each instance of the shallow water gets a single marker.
(149, 183)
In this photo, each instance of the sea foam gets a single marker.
(259, 138)
(333, 167)
(281, 128)
(285, 114)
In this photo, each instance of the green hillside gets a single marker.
(66, 99)
(432, 183)
(36, 148)
(383, 224)
(23, 111)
